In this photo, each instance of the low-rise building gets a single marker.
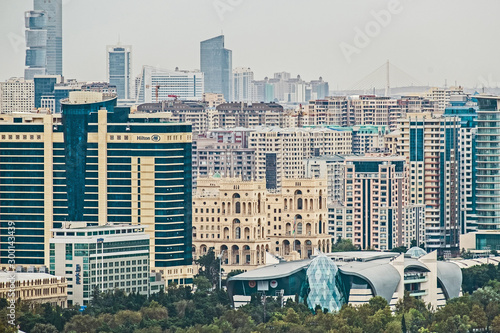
(247, 221)
(34, 287)
(104, 257)
(353, 278)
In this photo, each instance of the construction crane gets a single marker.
(157, 89)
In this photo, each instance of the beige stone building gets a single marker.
(34, 287)
(251, 224)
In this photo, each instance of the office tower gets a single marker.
(44, 89)
(89, 257)
(51, 89)
(119, 69)
(216, 65)
(429, 144)
(242, 84)
(279, 153)
(462, 107)
(16, 95)
(53, 11)
(100, 164)
(36, 43)
(158, 84)
(248, 222)
(488, 159)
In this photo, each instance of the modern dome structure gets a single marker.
(416, 252)
(352, 278)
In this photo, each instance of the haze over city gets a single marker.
(432, 41)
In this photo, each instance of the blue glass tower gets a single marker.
(216, 64)
(119, 69)
(53, 12)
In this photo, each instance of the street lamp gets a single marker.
(220, 268)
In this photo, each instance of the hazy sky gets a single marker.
(431, 40)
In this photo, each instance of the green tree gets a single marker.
(82, 324)
(343, 245)
(44, 328)
(209, 267)
(495, 325)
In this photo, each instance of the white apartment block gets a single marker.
(330, 168)
(280, 153)
(441, 96)
(372, 110)
(329, 111)
(17, 95)
(242, 84)
(374, 197)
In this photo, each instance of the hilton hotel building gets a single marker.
(91, 165)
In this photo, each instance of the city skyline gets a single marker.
(342, 58)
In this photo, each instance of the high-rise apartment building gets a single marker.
(36, 43)
(53, 12)
(242, 84)
(488, 161)
(17, 95)
(157, 84)
(249, 115)
(178, 111)
(279, 152)
(97, 163)
(462, 107)
(429, 142)
(441, 96)
(119, 69)
(216, 65)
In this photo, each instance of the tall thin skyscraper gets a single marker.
(216, 64)
(53, 11)
(36, 43)
(488, 159)
(242, 84)
(119, 65)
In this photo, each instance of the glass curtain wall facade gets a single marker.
(36, 42)
(53, 11)
(119, 69)
(216, 64)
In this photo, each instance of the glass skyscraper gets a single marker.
(36, 43)
(53, 12)
(97, 163)
(488, 163)
(119, 67)
(216, 64)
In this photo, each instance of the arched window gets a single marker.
(237, 207)
(299, 228)
(320, 199)
(237, 233)
(299, 203)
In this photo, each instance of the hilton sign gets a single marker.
(154, 138)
